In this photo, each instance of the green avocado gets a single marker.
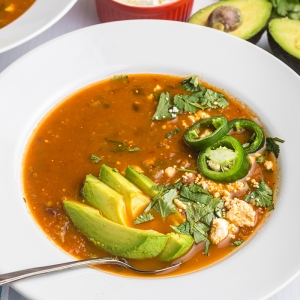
(114, 238)
(104, 198)
(252, 17)
(177, 245)
(141, 181)
(135, 200)
(284, 40)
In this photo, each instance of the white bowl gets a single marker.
(39, 17)
(33, 84)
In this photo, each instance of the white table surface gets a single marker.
(84, 14)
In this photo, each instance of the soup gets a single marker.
(10, 10)
(151, 127)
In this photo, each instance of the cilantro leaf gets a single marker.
(164, 205)
(143, 218)
(191, 84)
(163, 107)
(186, 170)
(195, 195)
(262, 196)
(237, 242)
(271, 145)
(286, 8)
(172, 132)
(134, 149)
(184, 103)
(95, 159)
(120, 146)
(183, 228)
(120, 77)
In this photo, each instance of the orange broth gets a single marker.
(58, 157)
(10, 10)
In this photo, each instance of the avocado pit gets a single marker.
(225, 18)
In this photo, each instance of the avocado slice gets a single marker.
(114, 238)
(254, 17)
(177, 245)
(284, 40)
(141, 181)
(134, 198)
(146, 184)
(104, 198)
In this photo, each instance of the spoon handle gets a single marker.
(14, 276)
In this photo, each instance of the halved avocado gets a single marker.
(254, 17)
(284, 40)
(114, 238)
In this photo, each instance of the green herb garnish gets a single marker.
(271, 145)
(120, 77)
(95, 159)
(164, 105)
(262, 196)
(191, 84)
(170, 133)
(145, 217)
(286, 8)
(134, 149)
(237, 243)
(164, 205)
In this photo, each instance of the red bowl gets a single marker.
(110, 10)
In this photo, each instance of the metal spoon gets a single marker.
(14, 276)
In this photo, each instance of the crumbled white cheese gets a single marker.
(219, 230)
(170, 172)
(239, 212)
(269, 165)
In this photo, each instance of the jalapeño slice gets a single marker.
(225, 161)
(257, 138)
(206, 132)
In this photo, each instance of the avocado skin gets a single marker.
(280, 53)
(114, 238)
(290, 60)
(177, 246)
(252, 36)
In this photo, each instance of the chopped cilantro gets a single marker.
(186, 170)
(260, 159)
(286, 8)
(200, 195)
(271, 145)
(262, 196)
(237, 243)
(183, 228)
(95, 159)
(172, 132)
(134, 149)
(164, 205)
(191, 84)
(164, 105)
(120, 146)
(143, 218)
(120, 77)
